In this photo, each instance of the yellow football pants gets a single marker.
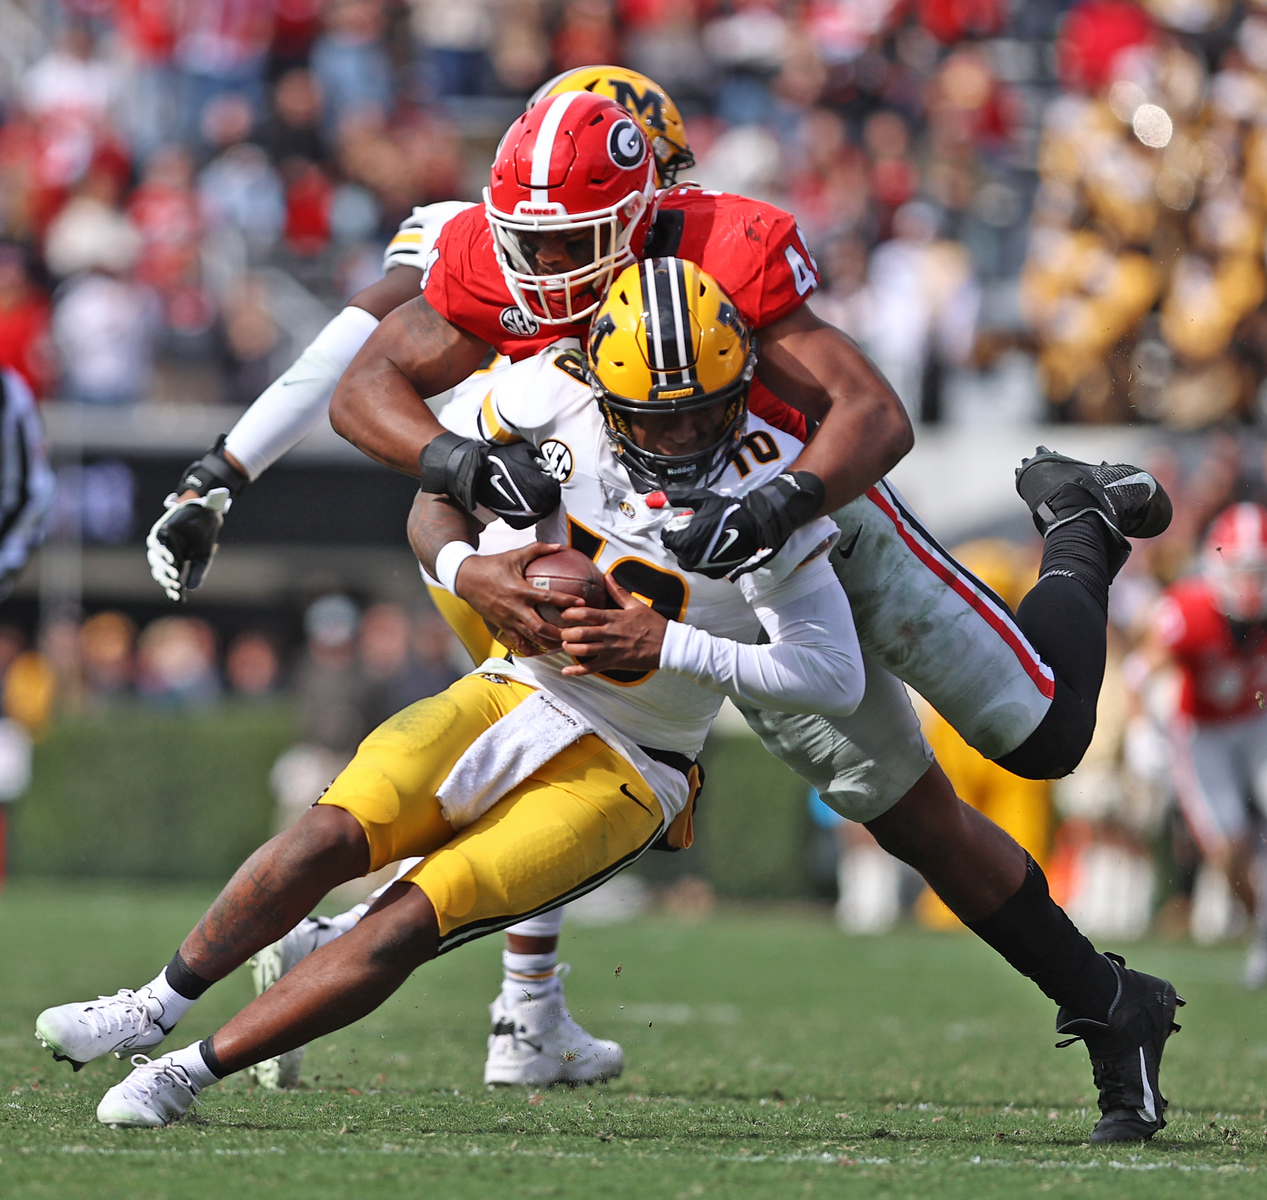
(567, 828)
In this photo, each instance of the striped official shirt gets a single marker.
(26, 479)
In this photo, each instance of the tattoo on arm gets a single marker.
(434, 521)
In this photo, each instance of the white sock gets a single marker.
(195, 1065)
(165, 1003)
(528, 976)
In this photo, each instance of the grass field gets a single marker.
(767, 1056)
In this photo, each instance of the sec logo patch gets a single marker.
(557, 458)
(516, 321)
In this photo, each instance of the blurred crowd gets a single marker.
(170, 170)
(353, 669)
(1144, 283)
(186, 189)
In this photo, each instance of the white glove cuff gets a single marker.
(452, 555)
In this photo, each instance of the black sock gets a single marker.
(184, 981)
(1080, 550)
(1036, 937)
(208, 1052)
(1067, 624)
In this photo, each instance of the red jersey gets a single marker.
(1224, 671)
(753, 250)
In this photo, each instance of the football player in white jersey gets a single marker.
(531, 780)
(182, 543)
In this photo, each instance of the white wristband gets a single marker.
(452, 555)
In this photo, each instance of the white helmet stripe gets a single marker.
(677, 289)
(543, 148)
(655, 345)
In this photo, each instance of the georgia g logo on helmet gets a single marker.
(626, 144)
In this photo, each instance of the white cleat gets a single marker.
(78, 1033)
(269, 965)
(155, 1094)
(536, 1042)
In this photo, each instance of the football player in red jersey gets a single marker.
(1213, 628)
(1017, 692)
(553, 239)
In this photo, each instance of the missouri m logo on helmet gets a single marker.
(644, 99)
(667, 343)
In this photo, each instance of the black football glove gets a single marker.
(182, 542)
(724, 537)
(509, 482)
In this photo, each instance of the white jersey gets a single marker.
(414, 244)
(602, 514)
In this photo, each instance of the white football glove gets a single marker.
(182, 542)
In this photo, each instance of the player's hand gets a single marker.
(494, 585)
(627, 637)
(182, 542)
(724, 537)
(509, 482)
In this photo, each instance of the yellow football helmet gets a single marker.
(649, 103)
(667, 340)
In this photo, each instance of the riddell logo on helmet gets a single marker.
(516, 321)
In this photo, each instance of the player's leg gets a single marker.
(531, 1023)
(381, 808)
(573, 824)
(529, 1010)
(1019, 689)
(1085, 514)
(280, 882)
(1001, 894)
(874, 767)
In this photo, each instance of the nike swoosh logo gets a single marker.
(719, 552)
(853, 541)
(624, 787)
(1139, 477)
(1149, 1111)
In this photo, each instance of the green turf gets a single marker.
(768, 1056)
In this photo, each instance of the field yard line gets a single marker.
(820, 1157)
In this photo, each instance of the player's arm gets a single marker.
(444, 536)
(379, 405)
(812, 662)
(863, 431)
(182, 541)
(863, 428)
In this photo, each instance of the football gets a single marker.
(567, 571)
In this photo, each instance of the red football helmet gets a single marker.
(575, 167)
(1234, 561)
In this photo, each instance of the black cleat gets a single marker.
(1128, 499)
(1126, 1054)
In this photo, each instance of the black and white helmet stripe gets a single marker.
(668, 321)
